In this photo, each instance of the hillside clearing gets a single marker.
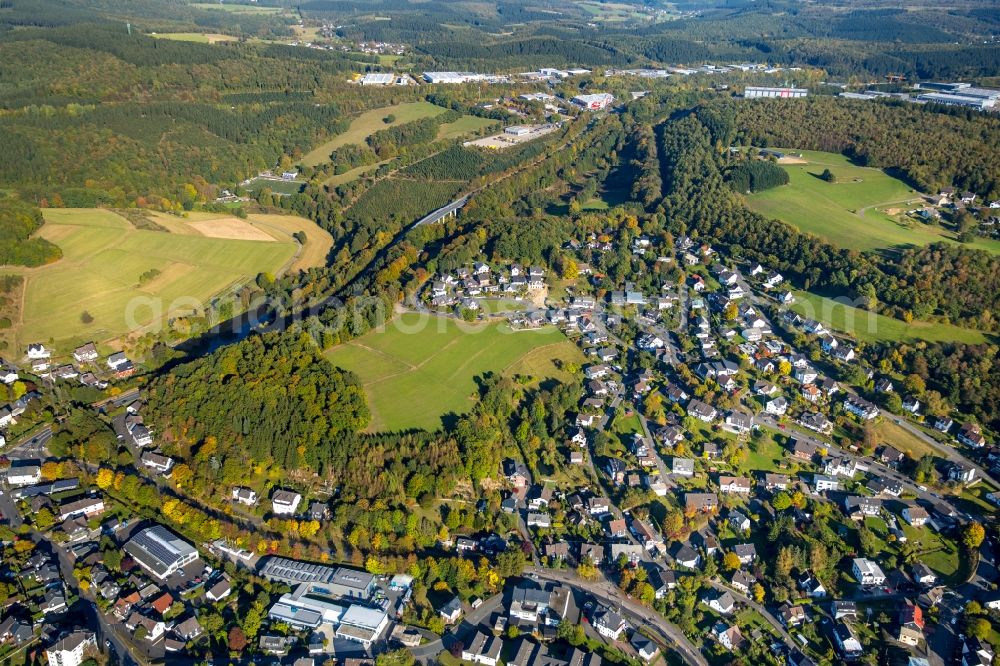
(867, 326)
(422, 368)
(198, 37)
(370, 122)
(851, 212)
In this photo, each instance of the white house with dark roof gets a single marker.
(285, 502)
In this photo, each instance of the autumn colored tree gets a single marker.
(237, 639)
(972, 535)
(731, 561)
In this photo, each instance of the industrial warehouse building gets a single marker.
(335, 582)
(753, 92)
(160, 552)
(310, 605)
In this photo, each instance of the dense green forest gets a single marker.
(268, 398)
(756, 175)
(966, 377)
(18, 220)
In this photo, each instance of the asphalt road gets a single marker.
(637, 614)
(467, 625)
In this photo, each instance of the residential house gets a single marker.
(777, 406)
(157, 462)
(773, 482)
(701, 502)
(971, 434)
(803, 450)
(915, 515)
(811, 585)
(962, 472)
(702, 411)
(747, 552)
(817, 422)
(685, 556)
(72, 649)
(923, 576)
(847, 644)
(246, 496)
(823, 483)
(728, 636)
(722, 603)
(608, 623)
(285, 502)
(483, 649)
(738, 521)
(451, 611)
(867, 572)
(860, 407)
(742, 581)
(738, 485)
(85, 353)
(682, 466)
(739, 422)
(791, 616)
(858, 507)
(644, 647)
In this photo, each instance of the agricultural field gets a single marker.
(865, 209)
(370, 122)
(199, 37)
(115, 272)
(421, 368)
(235, 8)
(870, 327)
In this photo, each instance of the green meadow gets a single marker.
(423, 367)
(864, 209)
(870, 327)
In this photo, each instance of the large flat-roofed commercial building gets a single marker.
(452, 77)
(293, 572)
(330, 581)
(309, 606)
(352, 584)
(362, 624)
(377, 79)
(594, 102)
(972, 98)
(305, 609)
(753, 92)
(160, 552)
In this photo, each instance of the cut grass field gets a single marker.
(199, 37)
(421, 368)
(465, 125)
(850, 212)
(870, 327)
(370, 122)
(236, 8)
(104, 257)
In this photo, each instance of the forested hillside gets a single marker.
(18, 220)
(97, 116)
(270, 398)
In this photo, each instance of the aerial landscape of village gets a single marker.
(508, 333)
